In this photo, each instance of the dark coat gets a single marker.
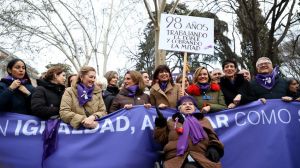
(15, 101)
(293, 95)
(168, 137)
(109, 94)
(45, 101)
(230, 90)
(122, 98)
(256, 91)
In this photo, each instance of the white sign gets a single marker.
(186, 34)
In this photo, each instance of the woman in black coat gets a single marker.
(46, 100)
(112, 88)
(232, 84)
(16, 88)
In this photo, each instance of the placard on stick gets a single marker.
(187, 34)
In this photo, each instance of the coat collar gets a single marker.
(95, 91)
(157, 88)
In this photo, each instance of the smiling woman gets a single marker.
(132, 93)
(82, 103)
(164, 93)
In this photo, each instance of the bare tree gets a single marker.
(262, 24)
(78, 29)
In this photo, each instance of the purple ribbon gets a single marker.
(10, 78)
(84, 94)
(267, 80)
(50, 138)
(192, 127)
(132, 90)
(163, 86)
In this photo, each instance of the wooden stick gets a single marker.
(184, 70)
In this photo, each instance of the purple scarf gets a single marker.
(203, 86)
(10, 78)
(84, 94)
(192, 127)
(163, 86)
(267, 80)
(132, 90)
(50, 138)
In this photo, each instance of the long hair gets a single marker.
(138, 79)
(161, 68)
(10, 65)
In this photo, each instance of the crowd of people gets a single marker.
(79, 101)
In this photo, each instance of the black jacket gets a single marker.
(46, 100)
(256, 91)
(230, 90)
(14, 101)
(108, 95)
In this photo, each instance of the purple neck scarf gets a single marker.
(192, 127)
(50, 138)
(163, 86)
(84, 94)
(267, 80)
(204, 86)
(10, 78)
(132, 90)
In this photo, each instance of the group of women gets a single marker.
(83, 102)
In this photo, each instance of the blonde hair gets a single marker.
(83, 71)
(197, 72)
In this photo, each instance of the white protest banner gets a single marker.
(186, 34)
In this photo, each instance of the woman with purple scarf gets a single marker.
(188, 138)
(132, 93)
(82, 104)
(164, 93)
(16, 89)
(208, 94)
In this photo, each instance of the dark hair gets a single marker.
(109, 75)
(138, 79)
(290, 80)
(161, 68)
(10, 65)
(69, 79)
(50, 74)
(228, 62)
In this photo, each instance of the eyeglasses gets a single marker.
(263, 63)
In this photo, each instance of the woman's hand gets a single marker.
(24, 90)
(89, 122)
(128, 106)
(231, 105)
(162, 106)
(15, 84)
(148, 105)
(287, 99)
(237, 99)
(205, 109)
